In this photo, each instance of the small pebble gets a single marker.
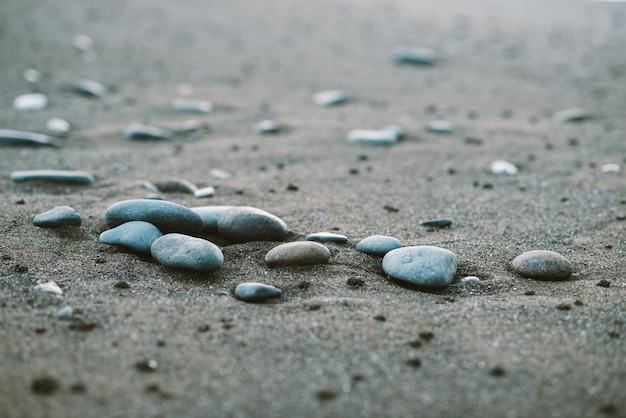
(426, 266)
(57, 217)
(440, 127)
(437, 223)
(220, 174)
(542, 265)
(83, 42)
(65, 312)
(147, 365)
(53, 176)
(192, 106)
(177, 185)
(210, 215)
(572, 115)
(255, 292)
(138, 131)
(266, 126)
(604, 283)
(13, 137)
(327, 237)
(329, 98)
(204, 192)
(414, 55)
(244, 224)
(31, 75)
(48, 287)
(45, 385)
(386, 136)
(299, 253)
(502, 167)
(470, 279)
(31, 102)
(378, 245)
(148, 186)
(89, 88)
(58, 127)
(611, 168)
(187, 126)
(183, 252)
(166, 216)
(137, 236)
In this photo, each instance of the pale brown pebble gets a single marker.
(299, 253)
(542, 265)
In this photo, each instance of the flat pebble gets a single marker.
(192, 106)
(65, 312)
(327, 237)
(137, 236)
(139, 131)
(89, 88)
(437, 223)
(502, 167)
(256, 292)
(187, 126)
(386, 136)
(59, 127)
(53, 176)
(299, 253)
(31, 75)
(378, 245)
(48, 287)
(204, 192)
(148, 186)
(220, 174)
(470, 279)
(31, 102)
(267, 126)
(440, 127)
(166, 216)
(210, 215)
(13, 137)
(329, 98)
(58, 217)
(425, 265)
(572, 115)
(244, 224)
(177, 185)
(611, 168)
(542, 265)
(183, 252)
(414, 55)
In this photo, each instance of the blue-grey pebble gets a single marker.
(53, 176)
(165, 215)
(183, 252)
(244, 224)
(210, 216)
(542, 265)
(423, 265)
(298, 253)
(327, 237)
(378, 245)
(256, 292)
(13, 137)
(58, 217)
(137, 236)
(437, 223)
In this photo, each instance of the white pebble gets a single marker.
(31, 102)
(48, 287)
(611, 168)
(204, 192)
(267, 126)
(220, 174)
(31, 75)
(83, 42)
(440, 126)
(504, 168)
(58, 126)
(329, 98)
(385, 136)
(192, 106)
(65, 312)
(470, 279)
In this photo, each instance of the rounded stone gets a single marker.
(378, 245)
(166, 216)
(58, 217)
(137, 236)
(244, 224)
(542, 265)
(299, 253)
(423, 265)
(327, 237)
(210, 216)
(255, 292)
(183, 252)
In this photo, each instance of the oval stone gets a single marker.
(422, 265)
(167, 216)
(58, 217)
(244, 224)
(378, 245)
(137, 236)
(299, 253)
(210, 216)
(53, 176)
(183, 252)
(255, 292)
(542, 265)
(327, 237)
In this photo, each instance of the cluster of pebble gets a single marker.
(169, 233)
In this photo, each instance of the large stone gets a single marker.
(256, 292)
(425, 265)
(183, 252)
(299, 253)
(378, 245)
(167, 216)
(542, 265)
(244, 224)
(137, 236)
(58, 217)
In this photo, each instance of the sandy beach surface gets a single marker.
(344, 339)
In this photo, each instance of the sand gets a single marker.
(344, 339)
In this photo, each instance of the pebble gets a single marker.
(183, 252)
(31, 102)
(386, 136)
(204, 192)
(177, 185)
(327, 237)
(31, 75)
(83, 42)
(437, 223)
(137, 236)
(58, 217)
(426, 266)
(166, 216)
(266, 126)
(210, 215)
(572, 115)
(59, 127)
(54, 176)
(244, 224)
(187, 126)
(144, 132)
(255, 292)
(64, 313)
(611, 168)
(542, 265)
(329, 98)
(220, 174)
(148, 186)
(502, 167)
(299, 253)
(48, 287)
(89, 88)
(378, 245)
(13, 137)
(192, 106)
(470, 279)
(440, 127)
(414, 55)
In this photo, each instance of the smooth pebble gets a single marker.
(13, 137)
(572, 115)
(183, 252)
(414, 55)
(59, 127)
(424, 265)
(177, 185)
(65, 312)
(386, 136)
(210, 216)
(440, 127)
(58, 217)
(139, 131)
(31, 75)
(244, 224)
(470, 279)
(437, 223)
(267, 126)
(48, 287)
(166, 216)
(220, 174)
(256, 292)
(378, 245)
(192, 106)
(137, 236)
(89, 88)
(327, 237)
(542, 265)
(31, 102)
(204, 192)
(329, 98)
(611, 168)
(53, 176)
(298, 253)
(502, 167)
